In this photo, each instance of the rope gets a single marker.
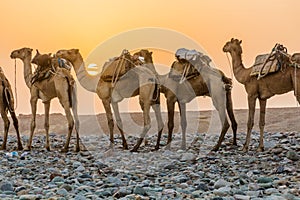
(231, 68)
(16, 94)
(185, 72)
(117, 72)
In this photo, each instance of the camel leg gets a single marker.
(110, 121)
(119, 124)
(229, 108)
(33, 102)
(182, 108)
(16, 125)
(171, 108)
(76, 118)
(46, 124)
(6, 127)
(262, 115)
(70, 128)
(160, 124)
(147, 126)
(222, 115)
(251, 112)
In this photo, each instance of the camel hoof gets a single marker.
(216, 148)
(146, 142)
(168, 147)
(20, 147)
(2, 148)
(245, 149)
(134, 149)
(155, 149)
(28, 148)
(125, 147)
(234, 143)
(77, 149)
(48, 148)
(64, 150)
(260, 149)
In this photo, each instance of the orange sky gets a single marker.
(62, 24)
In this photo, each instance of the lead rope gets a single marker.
(231, 68)
(16, 94)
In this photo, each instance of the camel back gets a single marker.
(47, 66)
(117, 67)
(264, 63)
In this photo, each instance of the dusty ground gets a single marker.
(277, 120)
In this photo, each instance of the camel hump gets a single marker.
(264, 64)
(117, 66)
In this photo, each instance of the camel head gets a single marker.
(234, 45)
(70, 55)
(41, 59)
(21, 53)
(296, 58)
(144, 56)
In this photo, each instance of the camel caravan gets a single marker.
(127, 75)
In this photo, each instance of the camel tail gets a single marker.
(9, 99)
(70, 93)
(156, 93)
(229, 108)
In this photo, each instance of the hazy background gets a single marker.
(62, 24)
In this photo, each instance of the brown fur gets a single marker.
(262, 89)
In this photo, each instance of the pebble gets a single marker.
(197, 173)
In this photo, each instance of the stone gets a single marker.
(264, 180)
(292, 155)
(241, 197)
(62, 192)
(29, 197)
(221, 183)
(6, 186)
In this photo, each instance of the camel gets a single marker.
(55, 86)
(120, 79)
(195, 85)
(7, 104)
(287, 79)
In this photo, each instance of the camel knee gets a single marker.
(71, 124)
(183, 124)
(46, 125)
(261, 125)
(250, 124)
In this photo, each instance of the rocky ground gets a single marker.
(196, 173)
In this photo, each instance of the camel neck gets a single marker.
(240, 72)
(151, 66)
(85, 79)
(27, 71)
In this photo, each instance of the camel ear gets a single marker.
(76, 51)
(37, 51)
(232, 39)
(240, 41)
(151, 53)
